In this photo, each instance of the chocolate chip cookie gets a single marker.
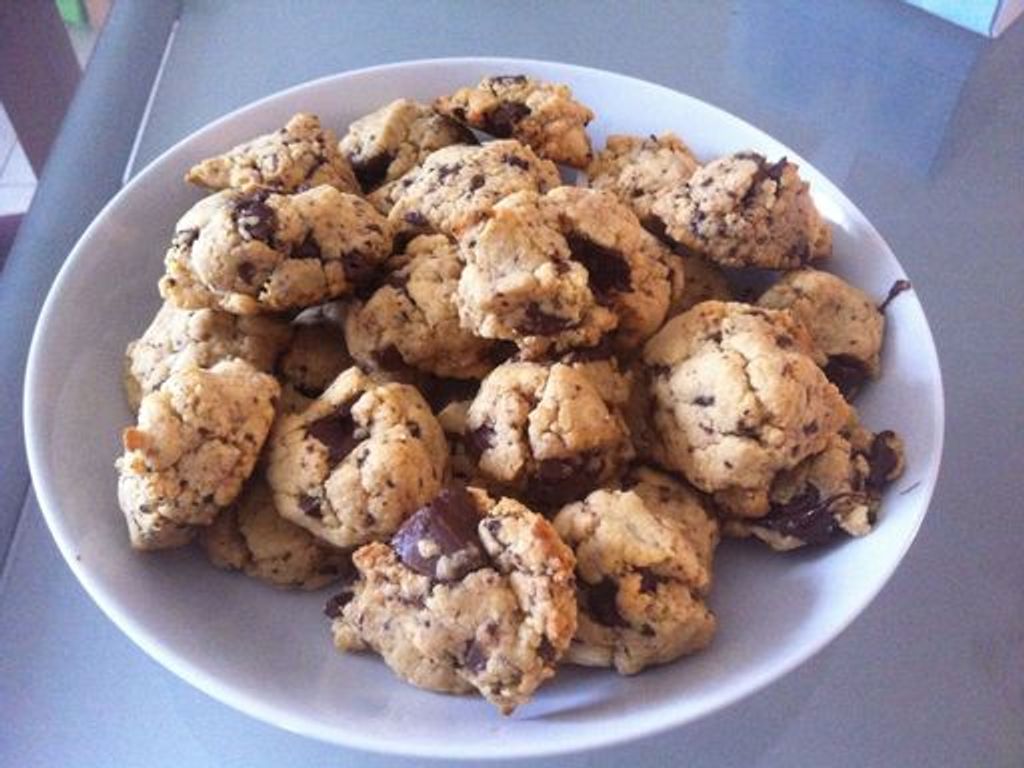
(640, 581)
(742, 211)
(457, 185)
(389, 142)
(470, 594)
(195, 444)
(251, 252)
(250, 536)
(358, 461)
(521, 283)
(543, 116)
(639, 169)
(845, 324)
(178, 338)
(300, 156)
(627, 268)
(736, 396)
(314, 357)
(837, 491)
(546, 431)
(414, 316)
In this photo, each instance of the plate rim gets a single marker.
(659, 722)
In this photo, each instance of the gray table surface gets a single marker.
(921, 125)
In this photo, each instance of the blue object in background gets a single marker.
(987, 17)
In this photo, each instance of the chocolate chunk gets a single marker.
(559, 481)
(775, 171)
(184, 238)
(462, 134)
(784, 341)
(415, 219)
(371, 172)
(476, 658)
(656, 227)
(501, 121)
(607, 268)
(516, 162)
(476, 182)
(255, 219)
(247, 272)
(480, 439)
(599, 600)
(547, 651)
(762, 174)
(445, 528)
(309, 248)
(649, 581)
(897, 288)
(703, 401)
(537, 322)
(449, 169)
(335, 605)
(317, 164)
(807, 517)
(310, 506)
(883, 460)
(811, 428)
(847, 373)
(336, 432)
(509, 79)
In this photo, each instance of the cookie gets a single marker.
(179, 338)
(195, 444)
(358, 461)
(457, 185)
(300, 156)
(627, 268)
(545, 431)
(521, 284)
(685, 505)
(639, 169)
(845, 324)
(837, 491)
(742, 211)
(389, 142)
(470, 595)
(414, 316)
(250, 536)
(314, 357)
(640, 581)
(543, 116)
(736, 396)
(252, 252)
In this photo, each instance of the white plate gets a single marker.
(268, 652)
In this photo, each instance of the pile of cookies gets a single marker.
(512, 417)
